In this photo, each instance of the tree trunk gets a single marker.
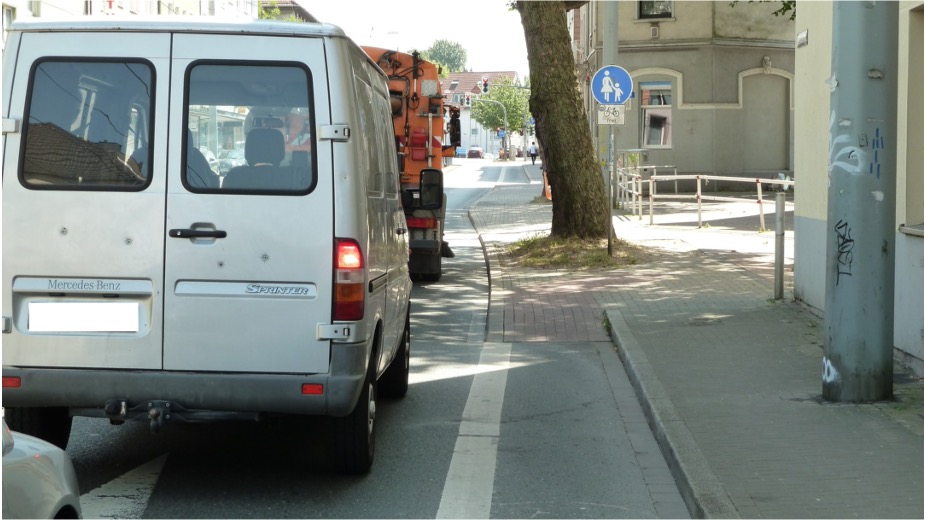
(579, 201)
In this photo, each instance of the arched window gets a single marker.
(656, 110)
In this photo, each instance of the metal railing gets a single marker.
(629, 186)
(700, 197)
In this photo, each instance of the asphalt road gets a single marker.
(487, 429)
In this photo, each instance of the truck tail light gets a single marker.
(418, 145)
(422, 222)
(349, 281)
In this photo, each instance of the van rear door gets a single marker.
(249, 247)
(83, 222)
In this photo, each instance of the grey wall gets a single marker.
(711, 133)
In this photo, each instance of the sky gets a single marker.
(492, 36)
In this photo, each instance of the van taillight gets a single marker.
(349, 281)
(12, 382)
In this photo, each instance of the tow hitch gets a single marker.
(158, 412)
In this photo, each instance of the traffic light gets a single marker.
(468, 100)
(485, 84)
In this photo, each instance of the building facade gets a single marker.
(737, 91)
(712, 83)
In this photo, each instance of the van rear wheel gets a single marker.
(49, 424)
(355, 434)
(394, 383)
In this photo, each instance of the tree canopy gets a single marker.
(451, 55)
(515, 100)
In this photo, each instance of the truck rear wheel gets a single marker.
(49, 424)
(355, 434)
(426, 265)
(435, 271)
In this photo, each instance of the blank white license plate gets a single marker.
(83, 317)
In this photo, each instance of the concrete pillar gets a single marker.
(860, 256)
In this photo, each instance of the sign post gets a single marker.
(612, 86)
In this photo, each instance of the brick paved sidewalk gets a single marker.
(730, 380)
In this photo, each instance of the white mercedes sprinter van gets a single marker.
(142, 281)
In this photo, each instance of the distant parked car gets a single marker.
(39, 480)
(460, 151)
(228, 159)
(475, 153)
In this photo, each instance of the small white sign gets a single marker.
(611, 114)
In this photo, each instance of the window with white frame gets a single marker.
(656, 111)
(655, 9)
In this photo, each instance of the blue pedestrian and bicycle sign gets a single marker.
(612, 85)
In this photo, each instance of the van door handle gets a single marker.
(197, 233)
(401, 231)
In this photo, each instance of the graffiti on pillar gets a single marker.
(846, 152)
(845, 254)
(829, 372)
(877, 145)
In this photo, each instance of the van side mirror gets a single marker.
(431, 189)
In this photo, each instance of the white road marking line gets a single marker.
(126, 496)
(470, 480)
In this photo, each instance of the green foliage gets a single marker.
(449, 54)
(443, 69)
(516, 101)
(786, 6)
(271, 11)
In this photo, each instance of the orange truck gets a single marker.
(419, 116)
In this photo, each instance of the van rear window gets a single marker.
(88, 125)
(251, 128)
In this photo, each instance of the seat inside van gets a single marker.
(264, 151)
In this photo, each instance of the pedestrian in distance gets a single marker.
(532, 151)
